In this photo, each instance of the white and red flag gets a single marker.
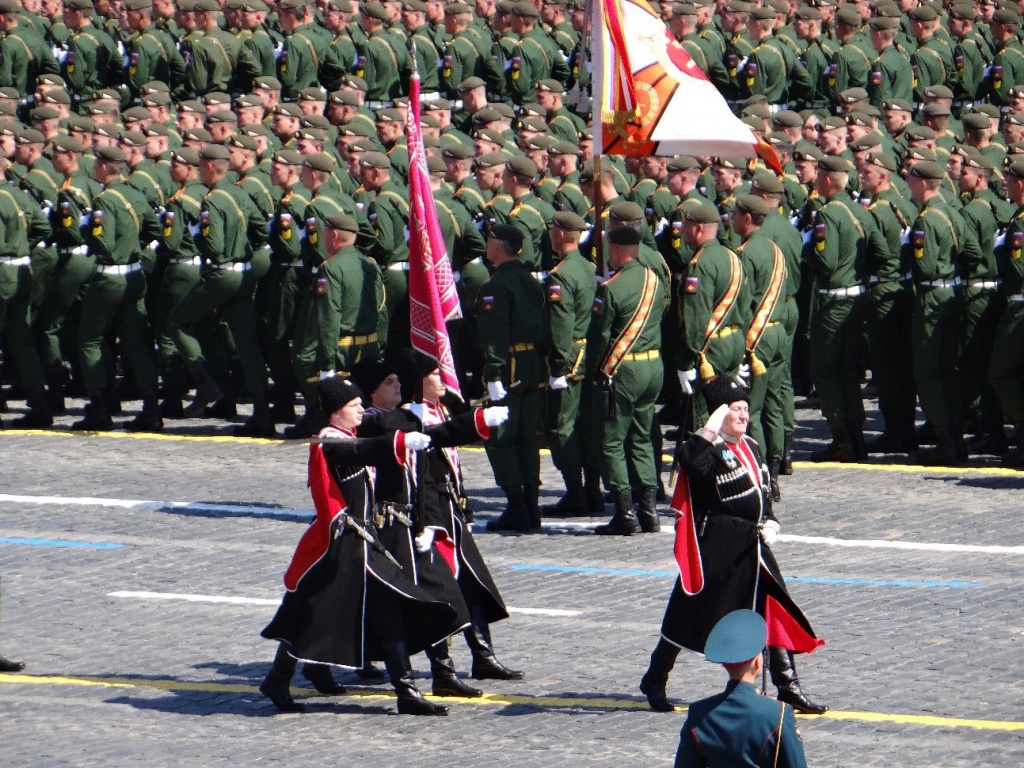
(433, 299)
(652, 98)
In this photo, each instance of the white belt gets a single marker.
(853, 290)
(431, 96)
(399, 266)
(19, 261)
(953, 283)
(118, 269)
(989, 284)
(196, 261)
(380, 104)
(1016, 298)
(234, 266)
(78, 250)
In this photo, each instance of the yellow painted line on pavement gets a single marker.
(555, 702)
(166, 436)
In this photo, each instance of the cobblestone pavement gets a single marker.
(919, 667)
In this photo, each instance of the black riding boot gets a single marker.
(786, 465)
(485, 665)
(592, 490)
(573, 503)
(259, 424)
(773, 473)
(97, 415)
(783, 672)
(410, 700)
(275, 685)
(839, 449)
(647, 511)
(322, 679)
(208, 391)
(149, 420)
(623, 522)
(6, 665)
(531, 495)
(442, 669)
(516, 516)
(652, 684)
(39, 415)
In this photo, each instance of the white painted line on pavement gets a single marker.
(224, 599)
(249, 510)
(921, 546)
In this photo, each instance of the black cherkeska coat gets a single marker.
(346, 600)
(429, 493)
(739, 570)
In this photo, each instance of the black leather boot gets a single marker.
(322, 679)
(652, 684)
(592, 490)
(945, 453)
(531, 495)
(259, 424)
(623, 522)
(275, 685)
(647, 511)
(6, 665)
(855, 437)
(97, 415)
(371, 673)
(516, 516)
(149, 420)
(783, 672)
(838, 450)
(39, 415)
(208, 391)
(442, 669)
(773, 473)
(573, 503)
(786, 465)
(410, 700)
(485, 665)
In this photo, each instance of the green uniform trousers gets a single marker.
(15, 322)
(562, 410)
(1006, 371)
(936, 342)
(981, 312)
(72, 273)
(177, 280)
(790, 323)
(277, 301)
(229, 294)
(836, 338)
(889, 331)
(626, 448)
(767, 409)
(512, 448)
(113, 301)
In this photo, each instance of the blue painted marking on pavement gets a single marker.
(789, 579)
(62, 543)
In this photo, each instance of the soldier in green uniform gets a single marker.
(570, 428)
(216, 60)
(25, 55)
(23, 227)
(563, 163)
(306, 58)
(938, 241)
(712, 312)
(383, 61)
(529, 212)
(845, 239)
(228, 231)
(152, 55)
(772, 69)
(766, 274)
(91, 61)
(121, 220)
(1007, 67)
(932, 61)
(510, 322)
(562, 123)
(1006, 370)
(891, 76)
(983, 304)
(891, 296)
(628, 331)
(348, 290)
(181, 271)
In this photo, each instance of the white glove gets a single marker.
(769, 531)
(496, 391)
(1000, 239)
(905, 236)
(495, 415)
(559, 382)
(806, 235)
(425, 540)
(194, 229)
(686, 379)
(417, 441)
(84, 219)
(716, 419)
(326, 375)
(743, 375)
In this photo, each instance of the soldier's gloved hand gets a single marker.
(425, 540)
(417, 441)
(806, 235)
(904, 236)
(769, 531)
(716, 419)
(495, 415)
(558, 382)
(496, 391)
(743, 375)
(1000, 238)
(326, 375)
(686, 379)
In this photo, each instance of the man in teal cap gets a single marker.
(737, 726)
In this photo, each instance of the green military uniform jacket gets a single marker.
(216, 60)
(121, 222)
(287, 224)
(845, 240)
(25, 56)
(73, 201)
(891, 77)
(92, 61)
(230, 227)
(628, 314)
(707, 279)
(326, 202)
(385, 66)
(937, 240)
(152, 58)
(570, 302)
(510, 324)
(774, 72)
(181, 214)
(349, 296)
(533, 216)
(388, 213)
(932, 64)
(307, 60)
